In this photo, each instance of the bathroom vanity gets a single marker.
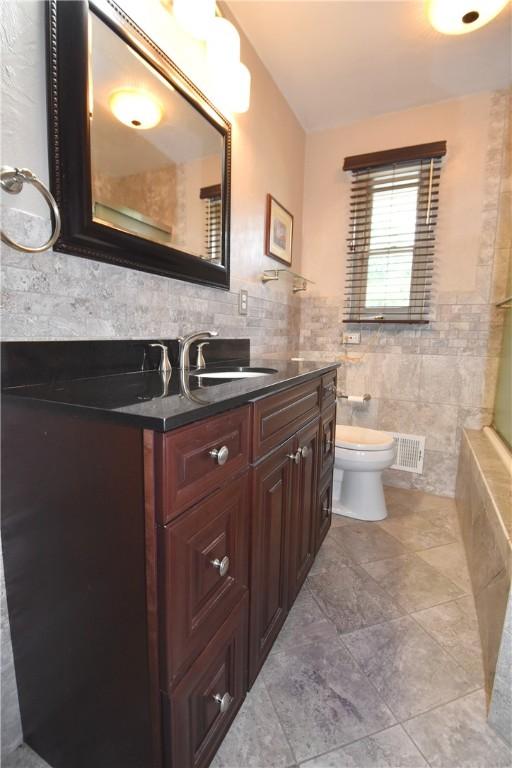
(155, 539)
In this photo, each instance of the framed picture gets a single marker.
(278, 232)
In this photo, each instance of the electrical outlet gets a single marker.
(352, 338)
(243, 301)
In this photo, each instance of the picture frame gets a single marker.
(278, 232)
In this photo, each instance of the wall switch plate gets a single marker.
(243, 301)
(352, 338)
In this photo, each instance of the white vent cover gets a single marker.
(409, 453)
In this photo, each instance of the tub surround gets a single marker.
(484, 502)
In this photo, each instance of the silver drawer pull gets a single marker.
(221, 455)
(326, 511)
(224, 702)
(222, 565)
(330, 388)
(295, 456)
(304, 451)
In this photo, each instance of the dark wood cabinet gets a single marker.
(175, 558)
(270, 523)
(303, 508)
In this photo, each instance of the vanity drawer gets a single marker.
(327, 438)
(194, 718)
(188, 466)
(204, 573)
(279, 416)
(329, 383)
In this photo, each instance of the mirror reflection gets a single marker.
(156, 162)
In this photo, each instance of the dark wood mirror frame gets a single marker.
(69, 146)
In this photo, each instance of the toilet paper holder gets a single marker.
(354, 399)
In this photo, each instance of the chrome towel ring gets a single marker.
(11, 181)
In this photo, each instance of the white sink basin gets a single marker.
(235, 373)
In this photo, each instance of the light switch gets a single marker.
(243, 301)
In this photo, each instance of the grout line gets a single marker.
(281, 725)
(361, 738)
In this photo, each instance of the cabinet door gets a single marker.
(271, 494)
(327, 439)
(304, 506)
(324, 510)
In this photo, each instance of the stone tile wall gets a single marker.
(58, 296)
(430, 380)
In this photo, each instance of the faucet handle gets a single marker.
(200, 362)
(165, 365)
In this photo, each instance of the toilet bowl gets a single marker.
(360, 457)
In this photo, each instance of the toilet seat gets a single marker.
(362, 439)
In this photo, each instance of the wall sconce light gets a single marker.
(231, 80)
(457, 17)
(135, 107)
(195, 16)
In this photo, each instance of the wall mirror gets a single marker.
(140, 157)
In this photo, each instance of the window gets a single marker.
(393, 214)
(212, 198)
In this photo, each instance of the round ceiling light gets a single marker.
(457, 17)
(136, 108)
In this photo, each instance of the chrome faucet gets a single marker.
(185, 344)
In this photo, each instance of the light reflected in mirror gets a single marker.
(156, 162)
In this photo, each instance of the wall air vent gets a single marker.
(410, 452)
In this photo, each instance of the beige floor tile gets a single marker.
(256, 737)
(351, 599)
(407, 666)
(366, 541)
(454, 625)
(322, 698)
(450, 560)
(456, 735)
(305, 624)
(420, 530)
(411, 582)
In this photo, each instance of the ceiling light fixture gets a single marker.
(135, 107)
(457, 17)
(195, 16)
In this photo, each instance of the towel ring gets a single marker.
(11, 181)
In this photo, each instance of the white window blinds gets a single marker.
(393, 214)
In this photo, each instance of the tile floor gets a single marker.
(379, 662)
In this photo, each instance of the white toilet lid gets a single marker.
(362, 439)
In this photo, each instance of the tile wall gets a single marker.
(433, 380)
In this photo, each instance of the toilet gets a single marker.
(360, 457)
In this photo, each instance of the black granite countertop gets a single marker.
(150, 400)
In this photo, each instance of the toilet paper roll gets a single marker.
(355, 399)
